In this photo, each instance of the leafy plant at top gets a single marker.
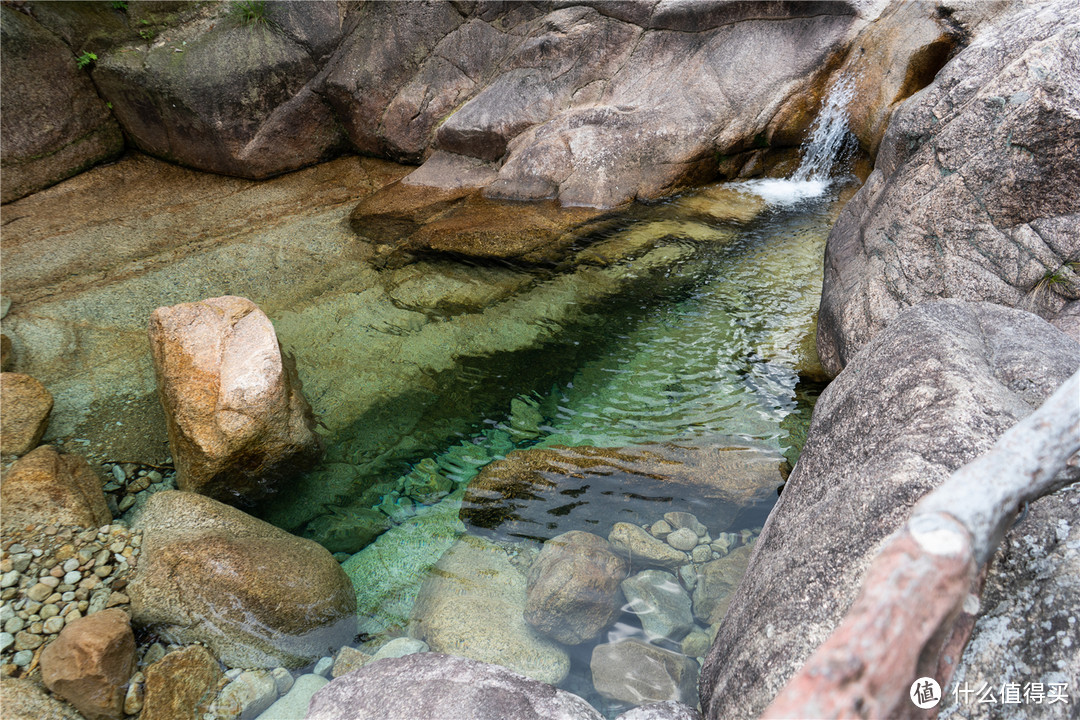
(85, 59)
(250, 12)
(119, 5)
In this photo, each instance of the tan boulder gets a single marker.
(90, 663)
(26, 700)
(573, 587)
(26, 407)
(238, 423)
(47, 486)
(181, 685)
(255, 595)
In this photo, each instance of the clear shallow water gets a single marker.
(701, 335)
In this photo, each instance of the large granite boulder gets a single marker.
(974, 191)
(433, 686)
(573, 587)
(472, 604)
(47, 486)
(926, 395)
(721, 482)
(221, 93)
(54, 124)
(238, 424)
(90, 663)
(255, 595)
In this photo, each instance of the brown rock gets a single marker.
(276, 599)
(7, 356)
(46, 486)
(181, 685)
(518, 496)
(716, 582)
(573, 587)
(89, 664)
(27, 405)
(238, 423)
(26, 700)
(61, 126)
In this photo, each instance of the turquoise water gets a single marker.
(690, 322)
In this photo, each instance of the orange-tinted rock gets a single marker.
(181, 685)
(275, 599)
(541, 492)
(27, 405)
(90, 663)
(239, 426)
(46, 486)
(573, 587)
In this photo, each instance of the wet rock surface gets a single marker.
(929, 393)
(433, 686)
(972, 196)
(523, 495)
(276, 599)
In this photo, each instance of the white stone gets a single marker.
(6, 641)
(400, 647)
(71, 564)
(72, 578)
(323, 666)
(10, 579)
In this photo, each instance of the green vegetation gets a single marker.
(250, 12)
(119, 5)
(85, 59)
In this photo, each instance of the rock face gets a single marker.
(46, 486)
(518, 496)
(472, 605)
(973, 193)
(926, 395)
(229, 96)
(1032, 589)
(432, 686)
(27, 405)
(573, 587)
(255, 595)
(52, 128)
(181, 685)
(238, 423)
(637, 672)
(26, 700)
(90, 663)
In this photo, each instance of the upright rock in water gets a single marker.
(90, 663)
(929, 393)
(46, 486)
(637, 672)
(974, 192)
(432, 686)
(238, 424)
(573, 587)
(274, 599)
(27, 405)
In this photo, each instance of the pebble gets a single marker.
(48, 611)
(10, 578)
(103, 571)
(53, 625)
(72, 577)
(323, 666)
(119, 474)
(283, 680)
(155, 476)
(23, 658)
(51, 580)
(154, 653)
(701, 554)
(661, 529)
(28, 641)
(14, 625)
(6, 641)
(71, 564)
(39, 592)
(126, 503)
(683, 539)
(21, 561)
(133, 701)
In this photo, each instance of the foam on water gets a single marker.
(783, 192)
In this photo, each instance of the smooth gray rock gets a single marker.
(929, 393)
(660, 603)
(400, 647)
(433, 686)
(637, 672)
(670, 710)
(293, 705)
(974, 192)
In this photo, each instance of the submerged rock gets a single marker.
(472, 604)
(433, 686)
(660, 603)
(936, 219)
(573, 587)
(540, 492)
(929, 393)
(716, 583)
(238, 424)
(273, 598)
(637, 672)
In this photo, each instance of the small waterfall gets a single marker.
(831, 140)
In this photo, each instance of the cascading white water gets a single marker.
(830, 142)
(830, 137)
